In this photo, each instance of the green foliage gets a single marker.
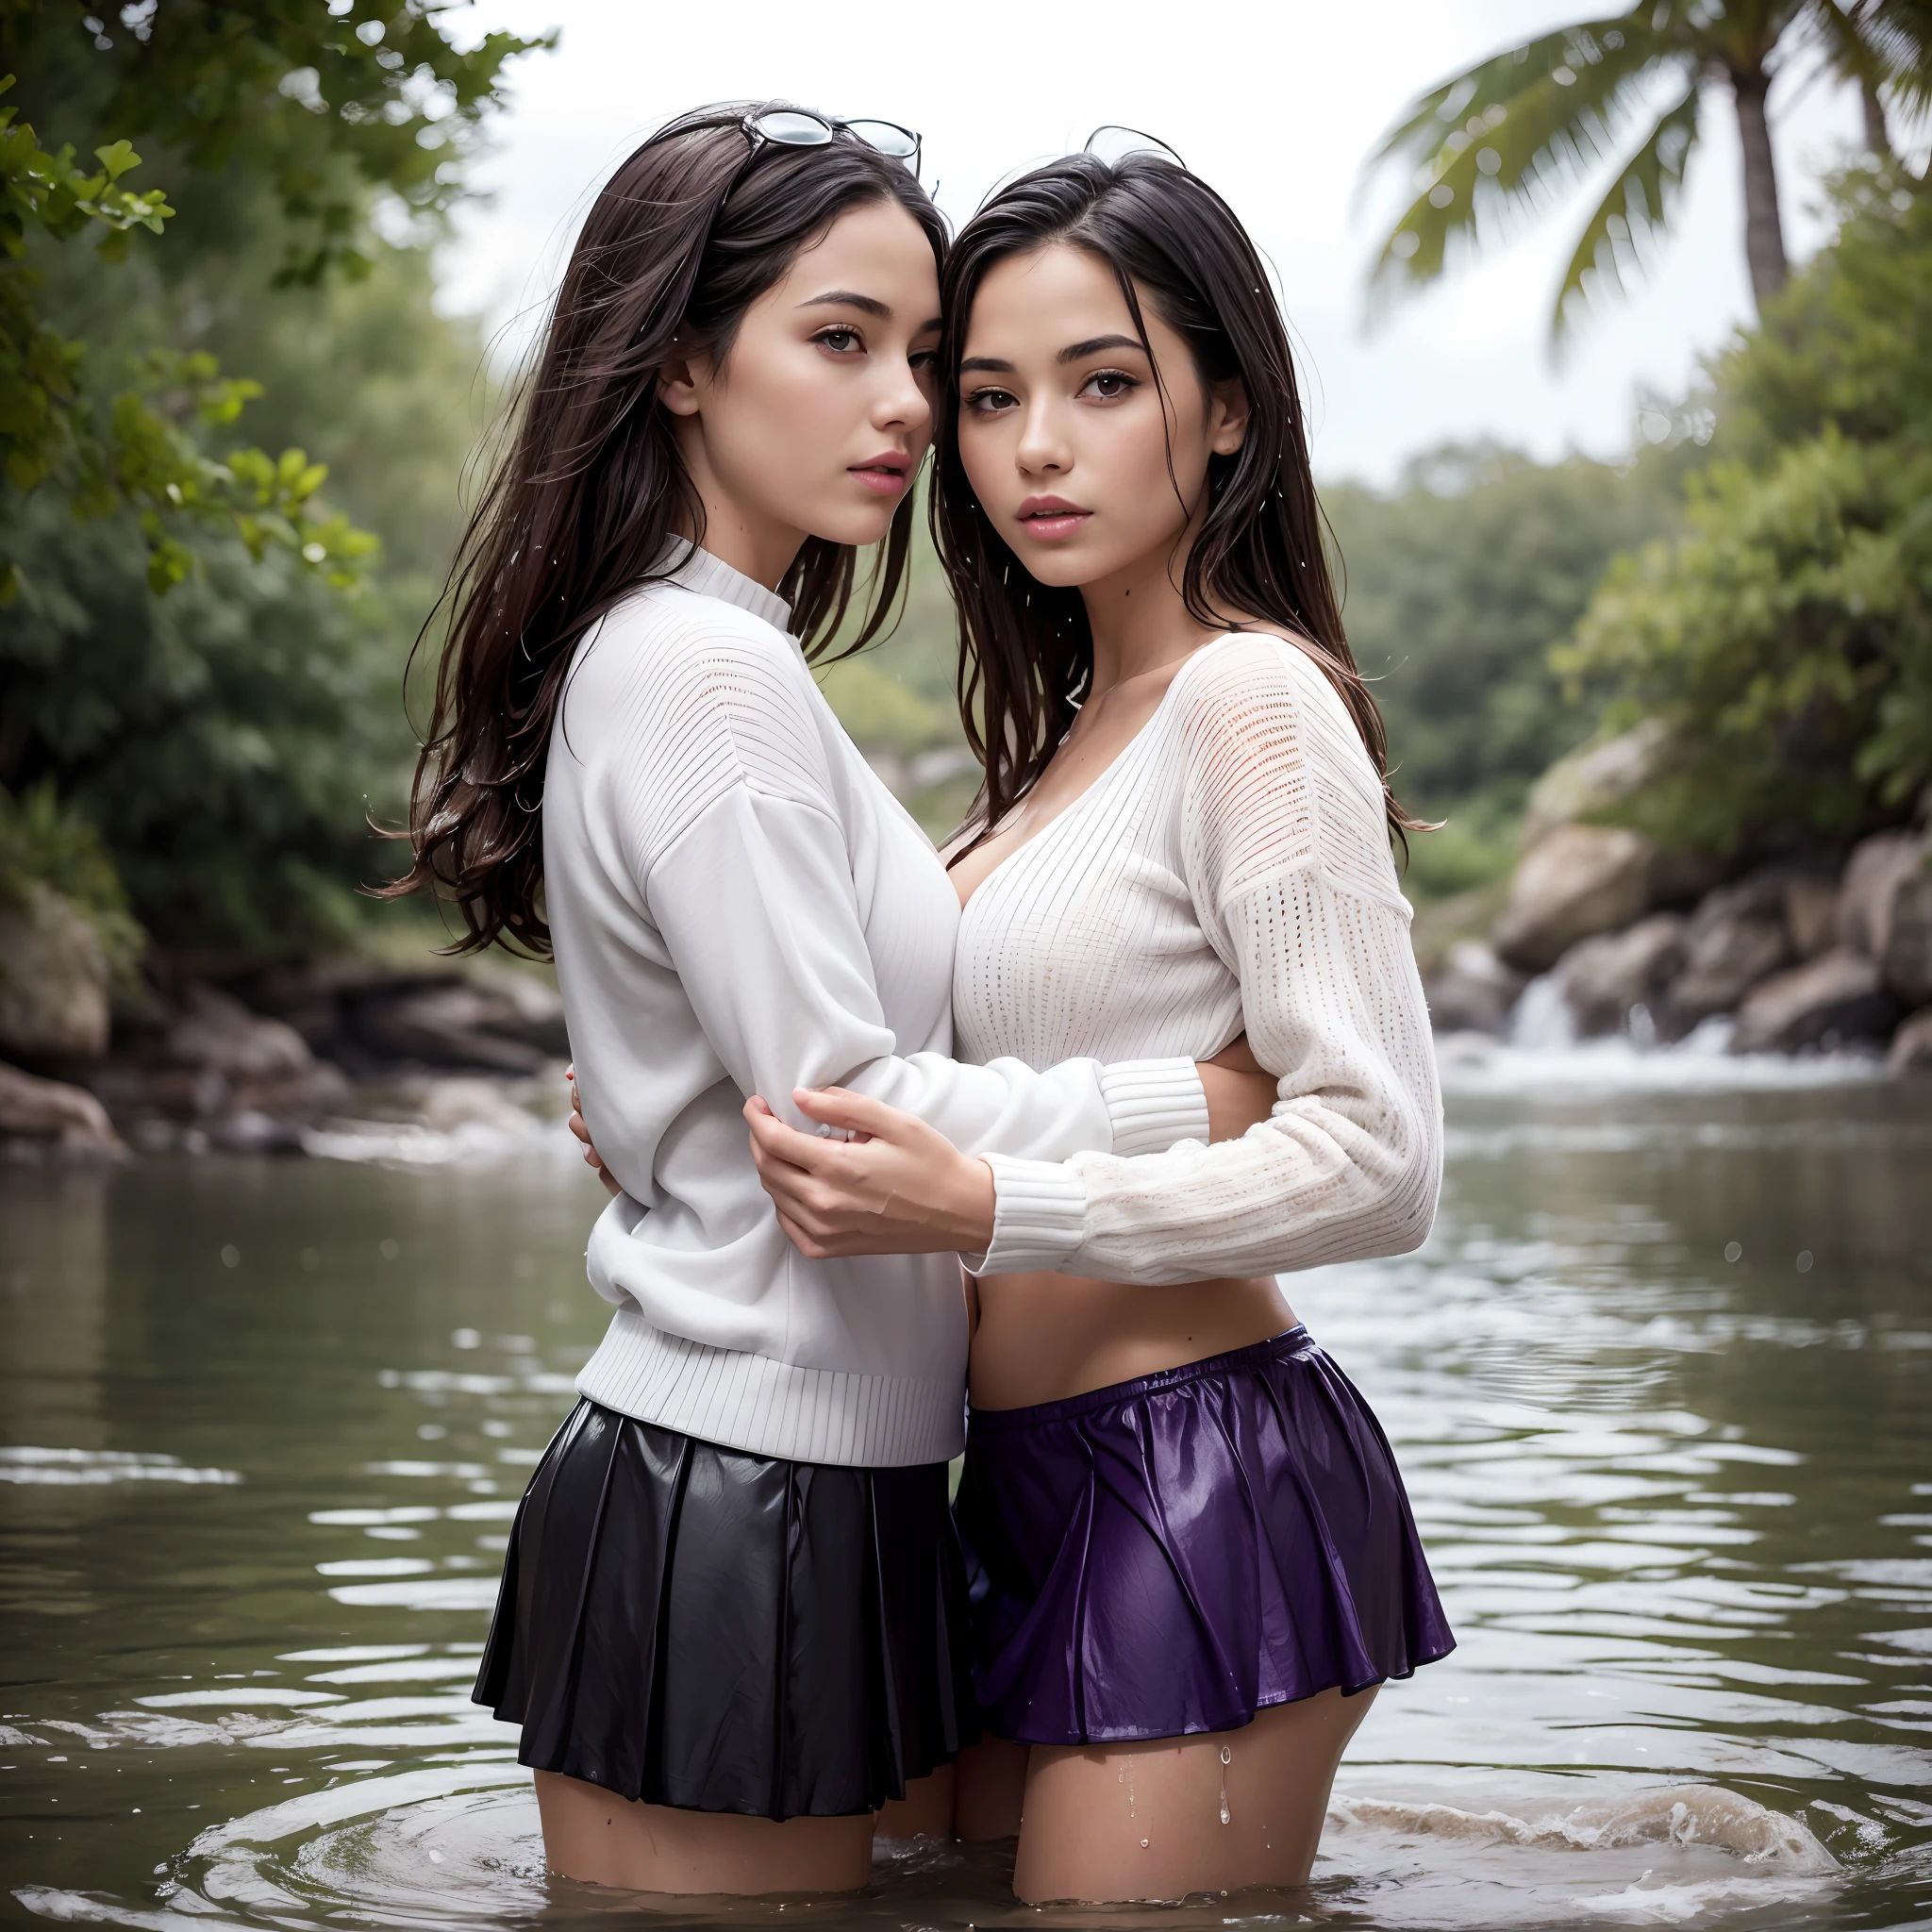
(1457, 584)
(324, 104)
(128, 452)
(1787, 637)
(289, 694)
(220, 739)
(227, 740)
(42, 843)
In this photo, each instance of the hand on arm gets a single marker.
(900, 1189)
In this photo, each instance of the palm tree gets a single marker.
(1513, 133)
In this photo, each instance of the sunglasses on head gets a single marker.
(798, 128)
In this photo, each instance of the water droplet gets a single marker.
(1144, 1844)
(1227, 1817)
(1226, 1754)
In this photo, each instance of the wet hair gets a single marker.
(588, 503)
(1025, 648)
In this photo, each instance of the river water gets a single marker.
(1661, 1383)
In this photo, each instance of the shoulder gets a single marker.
(1266, 696)
(1278, 773)
(673, 639)
(671, 667)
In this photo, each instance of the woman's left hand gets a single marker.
(900, 1189)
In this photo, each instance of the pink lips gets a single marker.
(884, 475)
(1045, 518)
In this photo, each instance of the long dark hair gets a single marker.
(590, 498)
(1025, 648)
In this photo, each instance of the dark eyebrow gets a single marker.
(926, 329)
(1080, 350)
(984, 365)
(844, 298)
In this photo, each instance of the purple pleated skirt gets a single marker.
(1172, 1555)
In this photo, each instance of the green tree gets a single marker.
(328, 107)
(1786, 637)
(227, 740)
(1527, 126)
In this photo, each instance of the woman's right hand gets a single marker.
(1241, 1092)
(591, 1158)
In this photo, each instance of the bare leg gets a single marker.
(592, 1833)
(924, 1811)
(1160, 1820)
(991, 1788)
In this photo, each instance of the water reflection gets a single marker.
(1680, 1505)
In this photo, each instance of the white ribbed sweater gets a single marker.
(1231, 870)
(740, 907)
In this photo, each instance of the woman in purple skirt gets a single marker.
(1192, 1558)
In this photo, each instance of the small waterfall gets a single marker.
(1542, 1021)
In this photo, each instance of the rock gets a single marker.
(1906, 961)
(1607, 978)
(1579, 881)
(1877, 868)
(221, 1035)
(1736, 937)
(1911, 1045)
(53, 980)
(1832, 999)
(1592, 781)
(536, 1005)
(1472, 992)
(43, 1119)
(1445, 922)
(458, 1025)
(1811, 915)
(299, 1097)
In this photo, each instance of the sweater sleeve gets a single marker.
(747, 876)
(1287, 859)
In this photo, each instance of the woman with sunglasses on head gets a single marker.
(1194, 1559)
(731, 1613)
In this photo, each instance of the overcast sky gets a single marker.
(1274, 102)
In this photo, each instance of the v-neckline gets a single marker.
(1099, 779)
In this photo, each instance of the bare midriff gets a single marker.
(1043, 1338)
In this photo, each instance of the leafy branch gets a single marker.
(145, 455)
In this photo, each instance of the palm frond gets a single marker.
(1899, 36)
(1634, 213)
(1508, 136)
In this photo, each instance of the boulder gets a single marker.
(1736, 937)
(1911, 1045)
(220, 1035)
(511, 1025)
(1906, 961)
(1811, 915)
(1829, 1001)
(1877, 868)
(1592, 781)
(53, 980)
(1605, 978)
(1579, 881)
(43, 1119)
(1472, 992)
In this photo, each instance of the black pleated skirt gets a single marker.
(699, 1627)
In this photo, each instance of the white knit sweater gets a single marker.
(1231, 870)
(740, 907)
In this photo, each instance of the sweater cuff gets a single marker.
(1038, 1216)
(1153, 1104)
